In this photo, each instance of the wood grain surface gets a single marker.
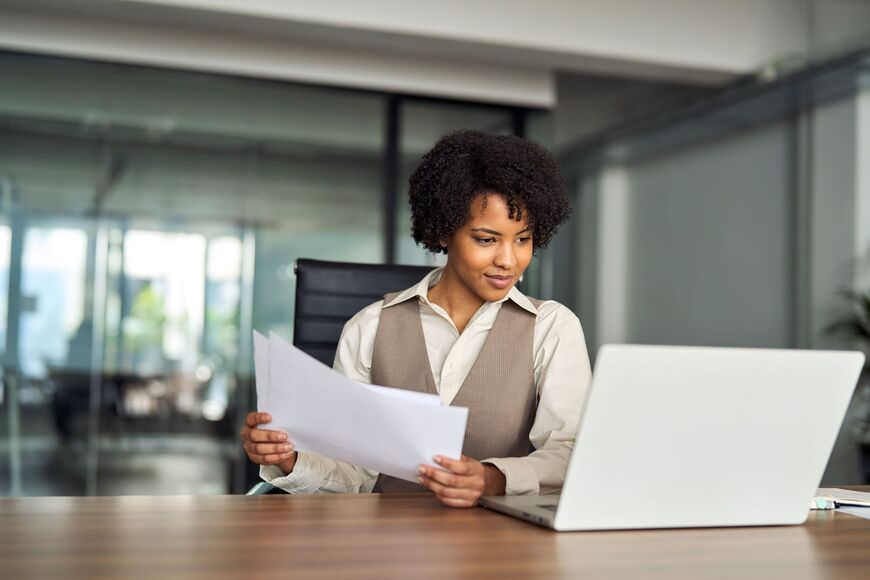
(395, 536)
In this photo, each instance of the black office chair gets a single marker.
(328, 294)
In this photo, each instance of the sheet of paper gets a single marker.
(845, 496)
(861, 512)
(391, 431)
(403, 394)
(261, 370)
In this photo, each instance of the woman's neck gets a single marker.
(457, 299)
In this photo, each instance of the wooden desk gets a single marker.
(279, 536)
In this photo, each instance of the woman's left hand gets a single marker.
(461, 482)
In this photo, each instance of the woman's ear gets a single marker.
(443, 243)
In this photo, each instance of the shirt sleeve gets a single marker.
(315, 473)
(563, 374)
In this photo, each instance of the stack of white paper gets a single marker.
(388, 430)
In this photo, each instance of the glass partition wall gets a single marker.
(150, 219)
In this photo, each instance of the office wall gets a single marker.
(743, 238)
(835, 222)
(837, 24)
(707, 255)
(586, 272)
(691, 246)
(588, 105)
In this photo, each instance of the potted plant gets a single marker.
(856, 327)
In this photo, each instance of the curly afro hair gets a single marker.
(464, 164)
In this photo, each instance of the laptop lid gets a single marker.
(692, 436)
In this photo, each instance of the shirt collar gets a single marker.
(421, 290)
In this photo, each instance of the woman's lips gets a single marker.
(500, 282)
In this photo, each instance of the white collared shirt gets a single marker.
(561, 372)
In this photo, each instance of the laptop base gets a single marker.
(537, 509)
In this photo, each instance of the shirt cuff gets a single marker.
(520, 478)
(303, 479)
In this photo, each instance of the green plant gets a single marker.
(856, 326)
(144, 326)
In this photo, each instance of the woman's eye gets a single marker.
(524, 241)
(485, 241)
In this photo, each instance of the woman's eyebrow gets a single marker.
(495, 233)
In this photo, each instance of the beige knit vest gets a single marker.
(499, 390)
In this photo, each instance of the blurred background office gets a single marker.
(164, 162)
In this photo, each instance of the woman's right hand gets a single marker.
(267, 447)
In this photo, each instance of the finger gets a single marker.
(254, 418)
(251, 450)
(447, 478)
(266, 448)
(442, 490)
(264, 435)
(453, 492)
(429, 484)
(458, 503)
(464, 466)
(270, 458)
(261, 449)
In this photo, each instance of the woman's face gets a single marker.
(491, 251)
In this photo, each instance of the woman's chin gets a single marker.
(493, 294)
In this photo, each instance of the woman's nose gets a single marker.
(505, 257)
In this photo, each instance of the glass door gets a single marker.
(172, 352)
(53, 381)
(10, 452)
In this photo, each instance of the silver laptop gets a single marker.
(675, 437)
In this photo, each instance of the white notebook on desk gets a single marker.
(828, 498)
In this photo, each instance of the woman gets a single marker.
(466, 333)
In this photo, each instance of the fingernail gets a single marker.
(420, 479)
(286, 448)
(421, 471)
(438, 459)
(282, 437)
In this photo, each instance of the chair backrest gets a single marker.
(328, 294)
